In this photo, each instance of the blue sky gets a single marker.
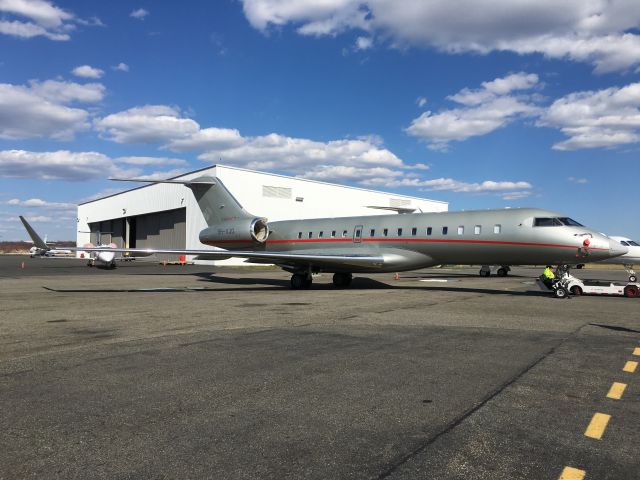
(481, 104)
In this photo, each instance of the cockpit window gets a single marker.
(546, 222)
(633, 244)
(626, 244)
(570, 222)
(555, 222)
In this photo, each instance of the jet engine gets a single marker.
(232, 233)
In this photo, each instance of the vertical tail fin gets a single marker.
(215, 201)
(37, 241)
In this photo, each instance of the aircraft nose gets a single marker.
(616, 248)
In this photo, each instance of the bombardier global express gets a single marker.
(383, 243)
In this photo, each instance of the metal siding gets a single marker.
(320, 200)
(162, 230)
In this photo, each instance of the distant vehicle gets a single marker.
(629, 259)
(384, 243)
(103, 259)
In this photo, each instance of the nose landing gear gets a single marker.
(632, 274)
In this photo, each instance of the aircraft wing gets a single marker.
(279, 258)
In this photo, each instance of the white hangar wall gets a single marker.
(159, 208)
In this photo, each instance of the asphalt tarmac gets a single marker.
(192, 372)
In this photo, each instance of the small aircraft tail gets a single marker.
(217, 204)
(37, 241)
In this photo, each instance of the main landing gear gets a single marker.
(342, 280)
(304, 280)
(503, 271)
(301, 280)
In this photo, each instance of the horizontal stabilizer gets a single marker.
(394, 209)
(197, 181)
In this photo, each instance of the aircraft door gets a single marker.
(357, 234)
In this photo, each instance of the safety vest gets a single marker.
(548, 273)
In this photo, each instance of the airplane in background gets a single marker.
(102, 259)
(629, 259)
(41, 248)
(382, 243)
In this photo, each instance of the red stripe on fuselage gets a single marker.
(407, 240)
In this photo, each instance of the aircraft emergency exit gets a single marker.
(383, 243)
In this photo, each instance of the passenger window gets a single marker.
(414, 231)
(299, 234)
(310, 234)
(344, 234)
(429, 230)
(445, 230)
(399, 232)
(333, 234)
(477, 229)
(497, 228)
(320, 234)
(460, 230)
(385, 232)
(372, 233)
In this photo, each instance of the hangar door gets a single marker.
(166, 229)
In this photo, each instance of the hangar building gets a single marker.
(165, 215)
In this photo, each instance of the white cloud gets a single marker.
(207, 139)
(59, 165)
(39, 203)
(147, 124)
(140, 13)
(516, 195)
(67, 92)
(29, 112)
(596, 119)
(121, 67)
(87, 71)
(421, 101)
(150, 161)
(44, 19)
(580, 181)
(483, 111)
(163, 175)
(364, 43)
(594, 31)
(341, 173)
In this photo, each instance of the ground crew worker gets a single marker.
(548, 276)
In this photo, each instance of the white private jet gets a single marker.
(629, 259)
(102, 259)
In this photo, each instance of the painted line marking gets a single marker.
(630, 367)
(597, 425)
(636, 351)
(616, 390)
(570, 473)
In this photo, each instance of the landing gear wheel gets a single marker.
(502, 272)
(633, 278)
(308, 280)
(342, 280)
(298, 281)
(630, 291)
(485, 273)
(561, 292)
(576, 290)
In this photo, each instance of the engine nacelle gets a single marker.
(231, 234)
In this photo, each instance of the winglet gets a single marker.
(37, 241)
